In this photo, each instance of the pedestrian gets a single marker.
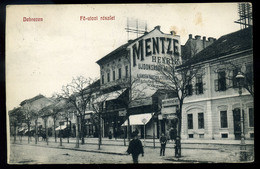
(171, 133)
(163, 141)
(110, 135)
(135, 148)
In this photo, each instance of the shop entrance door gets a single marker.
(237, 123)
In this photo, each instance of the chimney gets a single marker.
(197, 37)
(190, 36)
(204, 41)
(210, 39)
(157, 27)
(173, 33)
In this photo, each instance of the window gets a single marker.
(119, 73)
(220, 83)
(126, 71)
(201, 135)
(199, 85)
(223, 119)
(102, 79)
(249, 75)
(190, 135)
(190, 121)
(108, 77)
(251, 117)
(200, 120)
(252, 135)
(114, 75)
(189, 89)
(224, 135)
(234, 79)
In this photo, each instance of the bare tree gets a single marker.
(135, 93)
(78, 94)
(232, 68)
(28, 113)
(178, 79)
(98, 106)
(16, 118)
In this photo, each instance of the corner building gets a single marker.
(212, 109)
(126, 76)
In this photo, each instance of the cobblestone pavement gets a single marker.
(114, 151)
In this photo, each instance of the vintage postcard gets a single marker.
(130, 83)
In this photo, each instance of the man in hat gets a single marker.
(135, 148)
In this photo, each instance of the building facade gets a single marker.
(212, 111)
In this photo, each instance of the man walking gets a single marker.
(135, 148)
(163, 141)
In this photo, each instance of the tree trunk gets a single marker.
(68, 131)
(55, 135)
(36, 132)
(99, 133)
(46, 130)
(77, 132)
(179, 129)
(15, 132)
(82, 129)
(29, 132)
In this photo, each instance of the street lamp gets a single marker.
(240, 79)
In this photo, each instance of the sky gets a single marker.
(41, 57)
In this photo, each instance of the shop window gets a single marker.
(251, 117)
(190, 135)
(220, 83)
(223, 119)
(200, 120)
(224, 135)
(199, 85)
(190, 121)
(119, 73)
(114, 75)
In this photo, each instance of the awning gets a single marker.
(61, 127)
(21, 129)
(109, 96)
(139, 119)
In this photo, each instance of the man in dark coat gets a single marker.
(135, 148)
(163, 141)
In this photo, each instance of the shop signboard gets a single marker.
(171, 116)
(122, 113)
(149, 55)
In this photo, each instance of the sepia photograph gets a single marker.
(158, 83)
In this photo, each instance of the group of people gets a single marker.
(135, 147)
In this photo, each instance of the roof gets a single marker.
(32, 99)
(122, 49)
(227, 44)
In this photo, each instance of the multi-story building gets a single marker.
(212, 110)
(126, 76)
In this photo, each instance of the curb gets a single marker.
(75, 149)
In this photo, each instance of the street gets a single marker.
(43, 155)
(113, 152)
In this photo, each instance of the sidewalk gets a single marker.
(214, 152)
